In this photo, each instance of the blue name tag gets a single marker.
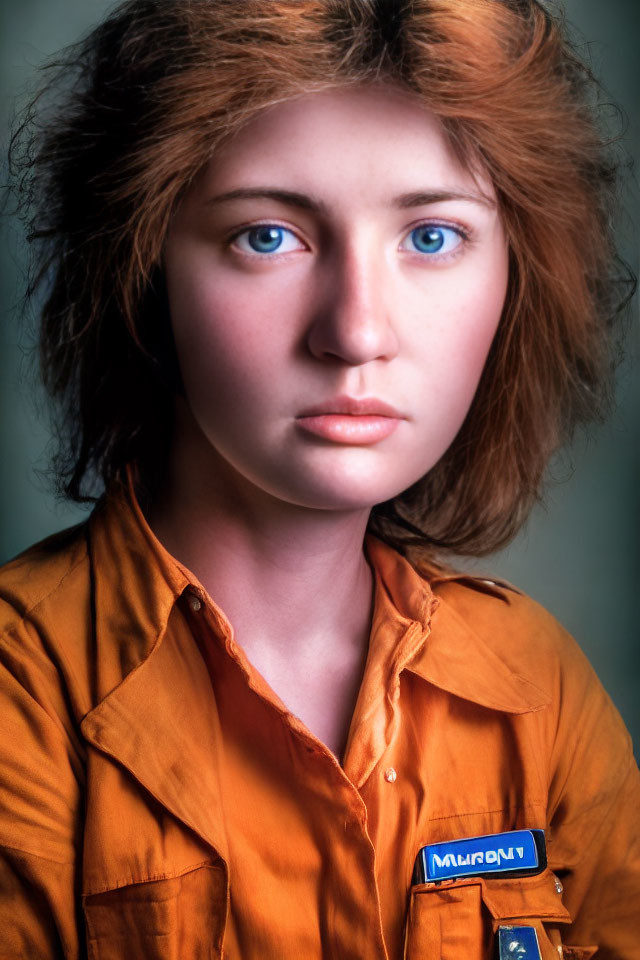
(515, 853)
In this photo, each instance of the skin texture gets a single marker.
(354, 301)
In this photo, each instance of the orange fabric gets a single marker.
(158, 800)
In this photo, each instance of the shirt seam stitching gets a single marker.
(26, 615)
(159, 878)
(37, 856)
(476, 813)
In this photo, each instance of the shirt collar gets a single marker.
(160, 720)
(138, 582)
(449, 653)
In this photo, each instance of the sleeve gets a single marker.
(40, 806)
(594, 835)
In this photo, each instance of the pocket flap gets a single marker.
(524, 898)
(173, 917)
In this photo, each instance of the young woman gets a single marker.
(327, 284)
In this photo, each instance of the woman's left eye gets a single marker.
(267, 238)
(434, 239)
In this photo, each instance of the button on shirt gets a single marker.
(159, 799)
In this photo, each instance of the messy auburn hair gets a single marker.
(130, 115)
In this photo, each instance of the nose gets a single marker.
(351, 320)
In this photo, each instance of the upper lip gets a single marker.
(353, 406)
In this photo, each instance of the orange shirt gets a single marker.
(159, 801)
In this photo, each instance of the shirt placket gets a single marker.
(336, 816)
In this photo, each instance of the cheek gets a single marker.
(225, 339)
(208, 316)
(465, 315)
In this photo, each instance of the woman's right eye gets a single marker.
(266, 238)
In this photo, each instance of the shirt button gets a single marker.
(195, 603)
(390, 775)
(559, 887)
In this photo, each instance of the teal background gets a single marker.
(579, 554)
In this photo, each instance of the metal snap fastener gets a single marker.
(195, 603)
(559, 887)
(390, 775)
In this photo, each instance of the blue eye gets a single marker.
(430, 238)
(267, 238)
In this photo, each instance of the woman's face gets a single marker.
(335, 280)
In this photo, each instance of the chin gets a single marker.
(339, 494)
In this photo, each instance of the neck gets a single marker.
(282, 573)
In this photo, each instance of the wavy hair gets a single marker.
(127, 118)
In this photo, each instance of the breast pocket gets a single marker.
(445, 922)
(173, 919)
(531, 901)
(461, 918)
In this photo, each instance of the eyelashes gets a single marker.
(267, 238)
(432, 240)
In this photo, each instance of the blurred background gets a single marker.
(579, 554)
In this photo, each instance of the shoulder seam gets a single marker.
(25, 614)
(38, 856)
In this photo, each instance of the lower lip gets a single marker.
(341, 428)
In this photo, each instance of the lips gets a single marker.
(351, 421)
(354, 407)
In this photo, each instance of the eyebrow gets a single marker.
(301, 200)
(419, 199)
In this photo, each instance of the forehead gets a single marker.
(356, 141)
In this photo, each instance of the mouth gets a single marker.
(351, 421)
(353, 407)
